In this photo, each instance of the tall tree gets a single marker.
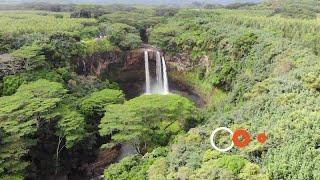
(137, 120)
(20, 116)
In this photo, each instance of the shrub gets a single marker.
(32, 56)
(11, 84)
(135, 167)
(157, 171)
(89, 32)
(59, 16)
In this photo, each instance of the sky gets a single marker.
(162, 2)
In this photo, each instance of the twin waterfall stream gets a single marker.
(160, 84)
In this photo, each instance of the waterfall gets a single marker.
(160, 85)
(146, 66)
(165, 77)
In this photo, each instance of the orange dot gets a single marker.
(245, 138)
(262, 137)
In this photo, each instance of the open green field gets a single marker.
(18, 22)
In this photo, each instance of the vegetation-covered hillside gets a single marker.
(256, 67)
(271, 84)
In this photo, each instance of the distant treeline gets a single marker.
(64, 7)
(55, 7)
(87, 11)
(228, 6)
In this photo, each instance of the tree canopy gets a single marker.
(122, 35)
(136, 120)
(95, 103)
(20, 117)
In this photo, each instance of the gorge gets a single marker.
(139, 72)
(142, 70)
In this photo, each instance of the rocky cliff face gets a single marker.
(9, 65)
(100, 63)
(97, 63)
(125, 68)
(181, 62)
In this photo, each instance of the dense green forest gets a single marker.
(256, 66)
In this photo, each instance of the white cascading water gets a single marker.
(146, 64)
(165, 77)
(160, 86)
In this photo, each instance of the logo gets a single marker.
(240, 138)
